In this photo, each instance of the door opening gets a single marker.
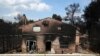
(48, 46)
(31, 45)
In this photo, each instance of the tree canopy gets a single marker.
(91, 12)
(74, 20)
(92, 17)
(71, 10)
(8, 28)
(57, 17)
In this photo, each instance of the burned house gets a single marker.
(47, 35)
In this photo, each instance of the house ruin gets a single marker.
(48, 35)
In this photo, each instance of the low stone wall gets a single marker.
(50, 54)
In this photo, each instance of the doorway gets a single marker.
(48, 46)
(31, 45)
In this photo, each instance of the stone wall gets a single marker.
(40, 44)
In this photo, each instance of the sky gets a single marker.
(37, 9)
